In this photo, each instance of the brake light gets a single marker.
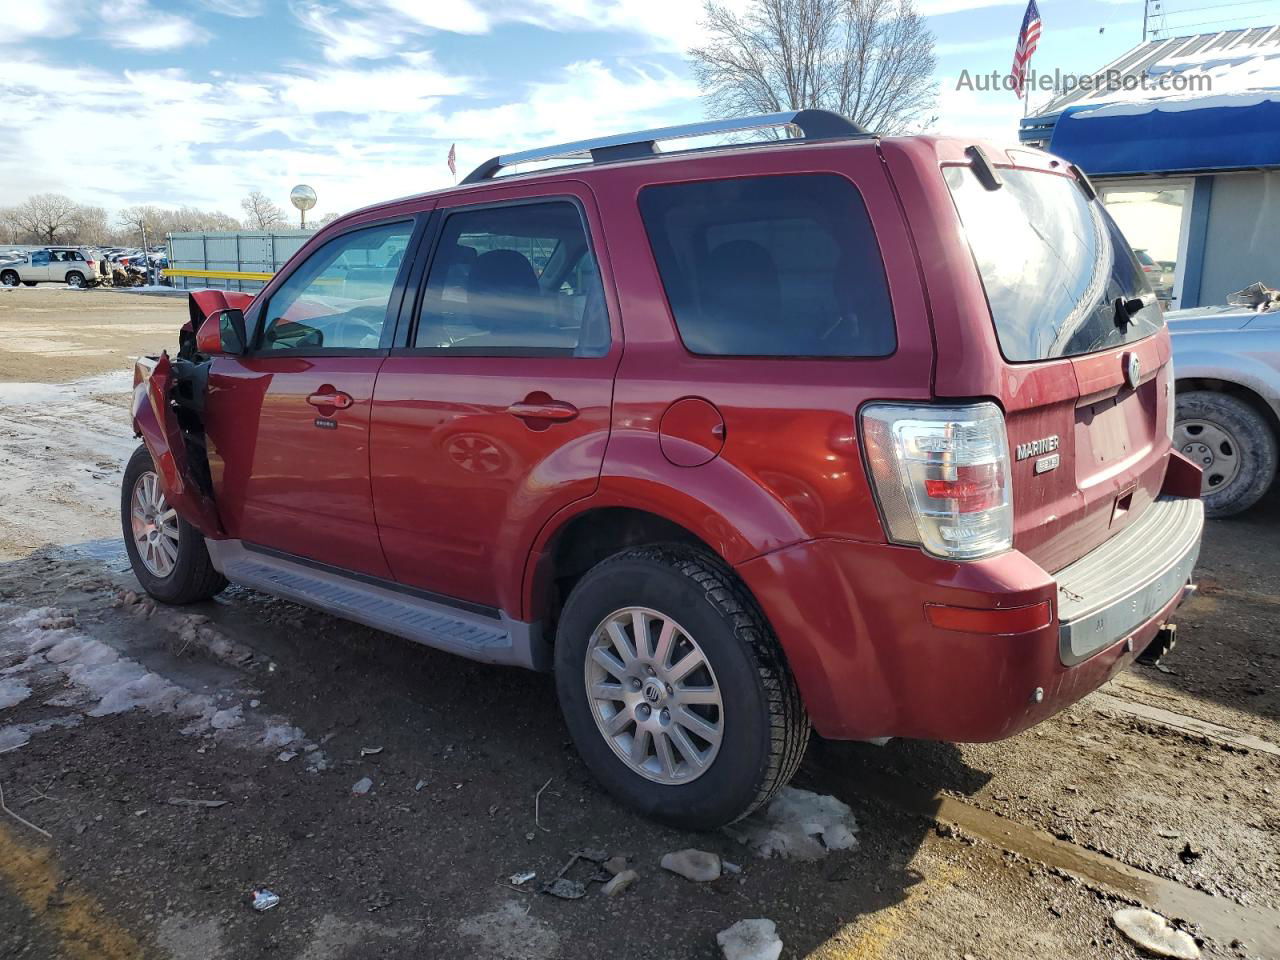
(941, 476)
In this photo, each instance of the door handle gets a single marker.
(556, 410)
(328, 397)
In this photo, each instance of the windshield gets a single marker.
(1060, 278)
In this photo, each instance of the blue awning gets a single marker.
(1222, 132)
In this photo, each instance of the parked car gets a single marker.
(1228, 412)
(1159, 273)
(881, 454)
(70, 265)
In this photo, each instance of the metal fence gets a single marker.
(230, 253)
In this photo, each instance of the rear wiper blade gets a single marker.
(1126, 309)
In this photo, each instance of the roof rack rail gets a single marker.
(814, 124)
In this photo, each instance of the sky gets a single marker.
(200, 102)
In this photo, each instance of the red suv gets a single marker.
(866, 433)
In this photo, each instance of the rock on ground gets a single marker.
(750, 940)
(619, 883)
(696, 865)
(1153, 933)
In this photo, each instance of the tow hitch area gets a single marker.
(1161, 646)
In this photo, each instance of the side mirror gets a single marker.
(223, 332)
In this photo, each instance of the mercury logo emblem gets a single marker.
(653, 691)
(1132, 370)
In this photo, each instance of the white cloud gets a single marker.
(140, 28)
(934, 8)
(236, 8)
(34, 19)
(359, 136)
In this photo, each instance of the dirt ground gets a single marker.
(1162, 789)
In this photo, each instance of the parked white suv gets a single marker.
(70, 265)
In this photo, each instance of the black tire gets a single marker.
(28, 283)
(765, 727)
(9, 278)
(76, 279)
(1249, 436)
(193, 577)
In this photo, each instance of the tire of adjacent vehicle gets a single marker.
(28, 283)
(1255, 443)
(9, 278)
(75, 278)
(766, 728)
(193, 577)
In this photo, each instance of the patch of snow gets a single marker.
(19, 734)
(1155, 934)
(1132, 106)
(104, 683)
(750, 940)
(798, 825)
(12, 692)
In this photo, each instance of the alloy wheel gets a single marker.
(1211, 448)
(155, 525)
(654, 696)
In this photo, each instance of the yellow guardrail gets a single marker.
(217, 274)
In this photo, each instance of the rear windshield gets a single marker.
(1053, 264)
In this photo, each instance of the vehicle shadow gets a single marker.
(1226, 650)
(462, 749)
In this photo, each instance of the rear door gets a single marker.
(288, 424)
(492, 413)
(1085, 382)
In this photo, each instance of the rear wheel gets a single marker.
(75, 279)
(9, 278)
(28, 283)
(1233, 445)
(167, 554)
(675, 689)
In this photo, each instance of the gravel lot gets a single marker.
(1161, 790)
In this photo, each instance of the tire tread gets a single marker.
(788, 720)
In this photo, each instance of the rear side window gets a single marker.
(514, 280)
(1053, 265)
(781, 266)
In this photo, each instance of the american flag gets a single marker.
(453, 158)
(1027, 39)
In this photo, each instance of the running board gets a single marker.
(392, 608)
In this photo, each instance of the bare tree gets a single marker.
(91, 225)
(260, 213)
(44, 216)
(871, 60)
(143, 218)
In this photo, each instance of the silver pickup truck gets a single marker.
(1228, 411)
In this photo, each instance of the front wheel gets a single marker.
(167, 554)
(675, 690)
(9, 278)
(1232, 444)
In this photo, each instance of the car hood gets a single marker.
(1209, 319)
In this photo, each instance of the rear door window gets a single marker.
(517, 279)
(780, 266)
(1053, 264)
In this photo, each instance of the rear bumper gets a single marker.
(852, 619)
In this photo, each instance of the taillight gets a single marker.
(941, 475)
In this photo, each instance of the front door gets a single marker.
(39, 268)
(288, 424)
(494, 413)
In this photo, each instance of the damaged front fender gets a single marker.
(156, 420)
